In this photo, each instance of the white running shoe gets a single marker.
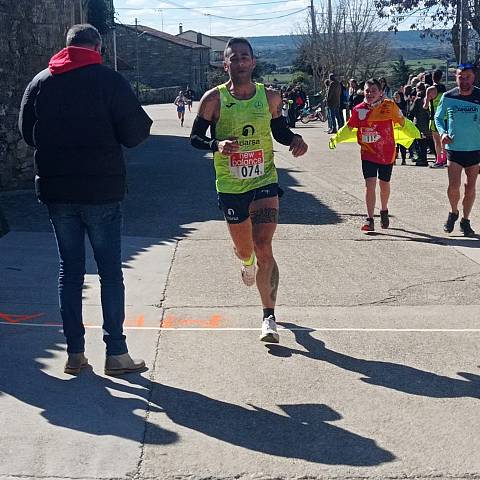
(269, 330)
(248, 274)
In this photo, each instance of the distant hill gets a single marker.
(281, 49)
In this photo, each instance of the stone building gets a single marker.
(216, 44)
(30, 32)
(158, 60)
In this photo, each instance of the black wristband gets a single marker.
(198, 137)
(280, 131)
(214, 145)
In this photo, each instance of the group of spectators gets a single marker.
(417, 100)
(294, 99)
(342, 97)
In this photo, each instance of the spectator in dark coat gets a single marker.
(334, 94)
(421, 118)
(77, 114)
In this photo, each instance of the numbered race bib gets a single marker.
(245, 165)
(370, 135)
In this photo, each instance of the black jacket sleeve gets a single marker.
(27, 118)
(131, 123)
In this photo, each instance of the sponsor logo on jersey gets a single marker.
(248, 130)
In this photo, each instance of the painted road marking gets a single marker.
(253, 329)
(12, 318)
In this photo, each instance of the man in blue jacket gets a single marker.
(77, 114)
(458, 122)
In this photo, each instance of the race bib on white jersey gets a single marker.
(244, 165)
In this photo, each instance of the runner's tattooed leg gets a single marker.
(274, 279)
(264, 215)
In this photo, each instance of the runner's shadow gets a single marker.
(300, 207)
(395, 376)
(301, 431)
(98, 406)
(423, 237)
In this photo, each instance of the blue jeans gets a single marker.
(335, 117)
(102, 224)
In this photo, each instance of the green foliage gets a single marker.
(263, 68)
(301, 63)
(303, 79)
(400, 72)
(216, 76)
(98, 15)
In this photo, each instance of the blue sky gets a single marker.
(259, 17)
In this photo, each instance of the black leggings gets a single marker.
(403, 151)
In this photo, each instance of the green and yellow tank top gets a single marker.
(249, 121)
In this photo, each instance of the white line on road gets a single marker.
(252, 329)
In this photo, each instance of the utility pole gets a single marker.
(463, 50)
(315, 45)
(136, 57)
(330, 16)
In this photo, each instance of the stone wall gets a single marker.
(30, 32)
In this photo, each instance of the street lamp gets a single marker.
(137, 36)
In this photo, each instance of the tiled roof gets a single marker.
(166, 36)
(218, 37)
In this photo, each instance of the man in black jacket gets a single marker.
(77, 114)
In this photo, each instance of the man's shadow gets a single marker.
(385, 374)
(97, 406)
(84, 403)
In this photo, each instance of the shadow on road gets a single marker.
(384, 374)
(170, 186)
(93, 404)
(86, 403)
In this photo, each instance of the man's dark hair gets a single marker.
(373, 81)
(332, 77)
(437, 75)
(83, 34)
(234, 41)
(428, 79)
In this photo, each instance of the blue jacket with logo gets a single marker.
(459, 117)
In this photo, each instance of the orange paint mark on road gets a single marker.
(136, 322)
(171, 321)
(12, 318)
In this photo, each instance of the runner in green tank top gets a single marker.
(432, 99)
(242, 116)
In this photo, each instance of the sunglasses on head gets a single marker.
(466, 66)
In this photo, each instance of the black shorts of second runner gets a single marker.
(236, 206)
(464, 159)
(372, 170)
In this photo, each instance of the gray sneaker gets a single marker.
(121, 364)
(75, 362)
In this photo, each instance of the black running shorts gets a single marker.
(465, 159)
(236, 206)
(374, 170)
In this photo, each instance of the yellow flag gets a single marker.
(403, 135)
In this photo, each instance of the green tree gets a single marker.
(400, 72)
(216, 76)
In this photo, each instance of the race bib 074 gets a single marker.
(245, 165)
